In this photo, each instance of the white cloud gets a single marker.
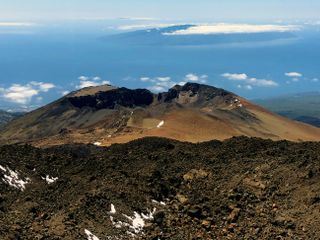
(249, 81)
(64, 93)
(20, 94)
(161, 84)
(16, 24)
(138, 18)
(83, 78)
(262, 82)
(145, 79)
(293, 74)
(235, 76)
(43, 87)
(91, 82)
(312, 22)
(224, 28)
(157, 88)
(144, 26)
(23, 94)
(85, 84)
(164, 79)
(191, 77)
(315, 80)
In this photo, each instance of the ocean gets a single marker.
(62, 58)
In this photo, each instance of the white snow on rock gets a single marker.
(12, 178)
(97, 143)
(160, 124)
(157, 202)
(3, 169)
(90, 236)
(49, 179)
(135, 223)
(118, 224)
(113, 209)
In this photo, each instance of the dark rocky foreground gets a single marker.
(161, 189)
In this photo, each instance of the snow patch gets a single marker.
(135, 223)
(3, 169)
(90, 236)
(49, 179)
(97, 143)
(160, 124)
(118, 224)
(12, 178)
(113, 209)
(157, 202)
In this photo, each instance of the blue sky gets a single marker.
(43, 61)
(162, 9)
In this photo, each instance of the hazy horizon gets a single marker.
(187, 10)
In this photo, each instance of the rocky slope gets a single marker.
(193, 112)
(156, 188)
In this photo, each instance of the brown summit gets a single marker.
(194, 112)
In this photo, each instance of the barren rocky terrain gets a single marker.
(193, 112)
(155, 188)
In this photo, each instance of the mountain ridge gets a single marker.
(192, 112)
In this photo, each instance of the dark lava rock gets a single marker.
(242, 188)
(110, 99)
(158, 217)
(195, 212)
